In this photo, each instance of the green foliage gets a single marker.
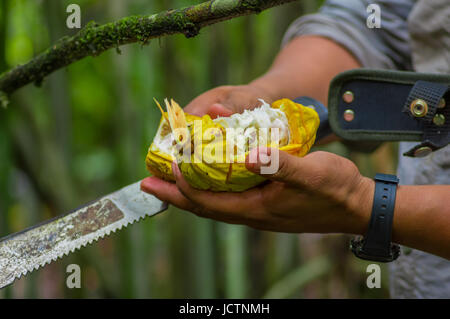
(298, 278)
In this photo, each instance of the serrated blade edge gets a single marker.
(33, 248)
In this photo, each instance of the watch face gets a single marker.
(357, 247)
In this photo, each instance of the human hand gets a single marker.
(320, 193)
(226, 100)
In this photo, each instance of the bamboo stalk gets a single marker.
(236, 277)
(298, 278)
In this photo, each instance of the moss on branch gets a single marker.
(94, 39)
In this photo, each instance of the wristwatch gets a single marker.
(376, 244)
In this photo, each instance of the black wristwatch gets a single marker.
(376, 244)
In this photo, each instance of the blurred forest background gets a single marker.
(86, 131)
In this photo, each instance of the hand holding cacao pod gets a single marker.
(211, 153)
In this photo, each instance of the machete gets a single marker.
(35, 247)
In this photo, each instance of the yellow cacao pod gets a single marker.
(211, 164)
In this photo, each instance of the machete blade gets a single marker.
(35, 247)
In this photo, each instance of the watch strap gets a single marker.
(376, 244)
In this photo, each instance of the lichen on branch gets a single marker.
(4, 100)
(94, 39)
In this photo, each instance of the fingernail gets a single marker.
(265, 150)
(252, 160)
(175, 170)
(146, 188)
(264, 156)
(218, 109)
(250, 166)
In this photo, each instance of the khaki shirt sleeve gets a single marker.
(345, 23)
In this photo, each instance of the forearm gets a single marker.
(421, 216)
(305, 67)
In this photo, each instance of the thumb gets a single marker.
(280, 166)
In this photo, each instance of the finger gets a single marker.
(197, 108)
(287, 168)
(167, 192)
(243, 205)
(218, 109)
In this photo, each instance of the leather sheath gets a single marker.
(381, 107)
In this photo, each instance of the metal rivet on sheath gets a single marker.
(441, 104)
(419, 108)
(439, 119)
(422, 151)
(348, 96)
(349, 115)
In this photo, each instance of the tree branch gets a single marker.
(94, 39)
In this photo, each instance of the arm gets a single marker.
(422, 218)
(320, 193)
(304, 67)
